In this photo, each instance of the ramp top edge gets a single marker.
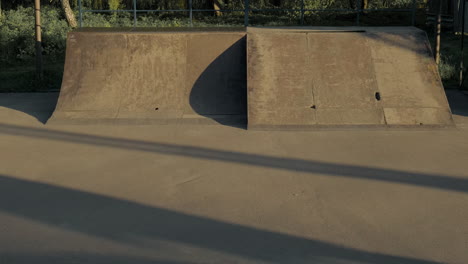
(159, 29)
(253, 29)
(330, 29)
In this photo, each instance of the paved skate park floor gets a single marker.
(222, 194)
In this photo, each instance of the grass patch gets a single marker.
(22, 78)
(450, 55)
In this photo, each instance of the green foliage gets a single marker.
(115, 4)
(17, 41)
(17, 34)
(17, 25)
(174, 4)
(447, 68)
(54, 33)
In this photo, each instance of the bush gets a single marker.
(17, 40)
(54, 33)
(447, 68)
(17, 35)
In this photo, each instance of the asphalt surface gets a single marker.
(222, 194)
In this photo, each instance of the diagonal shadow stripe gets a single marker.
(442, 182)
(73, 257)
(133, 223)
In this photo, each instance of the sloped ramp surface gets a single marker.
(313, 77)
(153, 77)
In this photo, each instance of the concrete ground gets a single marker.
(220, 194)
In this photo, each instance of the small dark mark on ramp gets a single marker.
(369, 77)
(297, 77)
(154, 77)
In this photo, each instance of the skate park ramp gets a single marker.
(154, 76)
(355, 76)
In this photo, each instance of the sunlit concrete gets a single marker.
(222, 194)
(360, 76)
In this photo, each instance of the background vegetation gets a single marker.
(17, 27)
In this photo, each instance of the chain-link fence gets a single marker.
(300, 9)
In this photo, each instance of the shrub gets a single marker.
(447, 68)
(17, 35)
(54, 33)
(17, 40)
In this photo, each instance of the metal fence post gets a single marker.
(302, 12)
(462, 46)
(246, 13)
(134, 13)
(191, 12)
(358, 9)
(38, 30)
(413, 14)
(80, 13)
(438, 29)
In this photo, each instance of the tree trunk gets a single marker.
(365, 4)
(438, 29)
(38, 29)
(217, 7)
(69, 13)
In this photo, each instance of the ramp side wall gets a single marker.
(303, 77)
(160, 76)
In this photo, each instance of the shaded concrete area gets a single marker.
(220, 194)
(103, 217)
(217, 84)
(37, 105)
(459, 104)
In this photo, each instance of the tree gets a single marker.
(217, 7)
(115, 4)
(70, 16)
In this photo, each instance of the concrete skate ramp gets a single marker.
(154, 77)
(313, 77)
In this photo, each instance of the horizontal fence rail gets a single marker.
(247, 10)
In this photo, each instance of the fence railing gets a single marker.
(247, 10)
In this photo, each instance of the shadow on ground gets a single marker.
(458, 102)
(78, 258)
(42, 105)
(38, 105)
(135, 224)
(220, 92)
(442, 182)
